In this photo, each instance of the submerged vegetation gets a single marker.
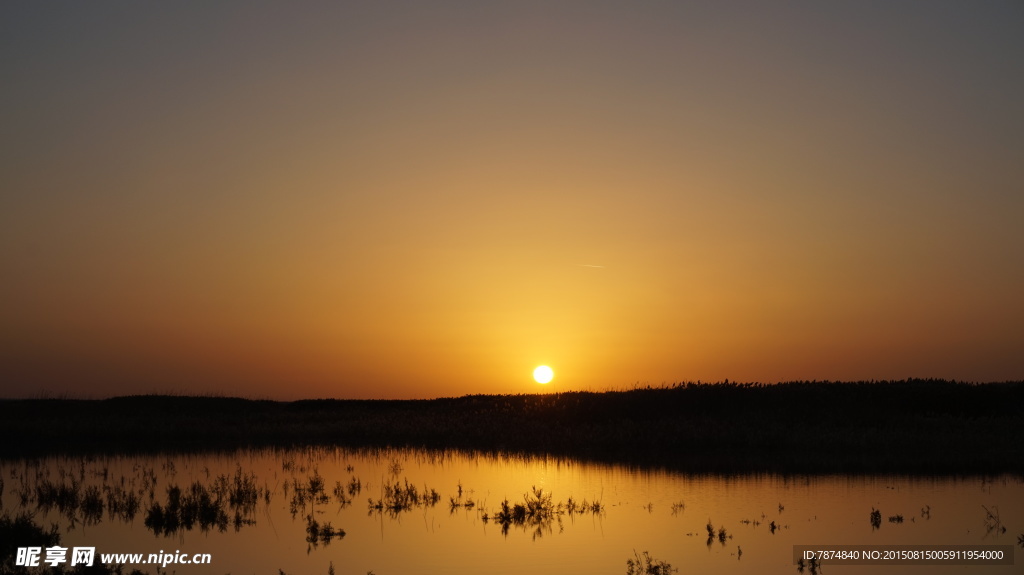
(913, 426)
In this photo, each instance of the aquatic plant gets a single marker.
(122, 503)
(340, 495)
(311, 492)
(537, 511)
(876, 518)
(813, 565)
(243, 491)
(403, 497)
(317, 533)
(573, 507)
(66, 497)
(355, 486)
(647, 565)
(205, 506)
(992, 520)
(456, 502)
(92, 505)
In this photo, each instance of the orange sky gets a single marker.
(430, 199)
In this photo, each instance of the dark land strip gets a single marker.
(912, 426)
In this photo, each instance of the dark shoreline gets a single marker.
(913, 426)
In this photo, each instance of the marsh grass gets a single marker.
(912, 426)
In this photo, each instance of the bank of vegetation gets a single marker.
(912, 426)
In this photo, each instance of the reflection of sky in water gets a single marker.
(641, 512)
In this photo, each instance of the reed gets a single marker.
(910, 426)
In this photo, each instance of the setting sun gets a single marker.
(543, 374)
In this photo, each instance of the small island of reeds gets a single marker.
(910, 426)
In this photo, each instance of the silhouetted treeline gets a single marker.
(912, 426)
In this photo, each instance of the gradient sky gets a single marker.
(422, 199)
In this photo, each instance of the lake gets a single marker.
(413, 511)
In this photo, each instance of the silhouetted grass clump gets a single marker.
(538, 512)
(647, 565)
(910, 426)
(456, 501)
(227, 501)
(321, 533)
(403, 497)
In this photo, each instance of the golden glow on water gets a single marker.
(663, 513)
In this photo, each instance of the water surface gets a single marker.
(261, 505)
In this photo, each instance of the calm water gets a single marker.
(276, 494)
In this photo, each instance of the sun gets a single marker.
(543, 374)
